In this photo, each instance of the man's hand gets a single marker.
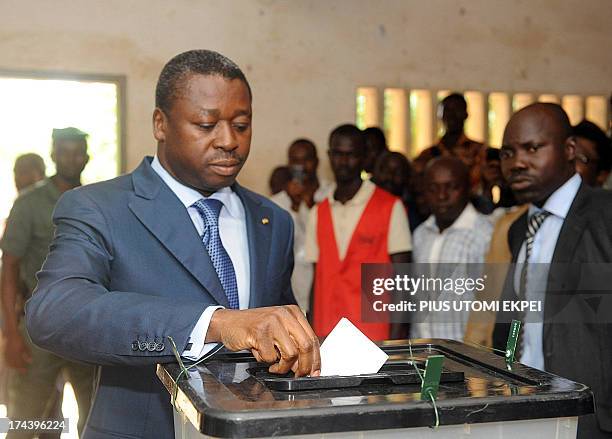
(17, 353)
(278, 335)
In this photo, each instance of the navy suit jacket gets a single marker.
(125, 270)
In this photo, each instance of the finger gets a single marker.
(315, 369)
(308, 360)
(257, 356)
(266, 350)
(282, 366)
(287, 348)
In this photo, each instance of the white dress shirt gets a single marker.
(545, 241)
(233, 233)
(301, 279)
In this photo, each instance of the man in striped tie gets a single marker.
(563, 248)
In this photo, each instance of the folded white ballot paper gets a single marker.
(347, 351)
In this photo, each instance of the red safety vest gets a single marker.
(337, 289)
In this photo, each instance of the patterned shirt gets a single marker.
(466, 241)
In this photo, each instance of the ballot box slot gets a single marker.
(516, 376)
(391, 374)
(418, 352)
(499, 372)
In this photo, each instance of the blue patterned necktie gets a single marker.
(209, 209)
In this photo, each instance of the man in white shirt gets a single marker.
(302, 193)
(454, 234)
(356, 223)
(172, 254)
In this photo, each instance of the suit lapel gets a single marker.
(161, 212)
(569, 236)
(573, 226)
(571, 230)
(259, 232)
(518, 231)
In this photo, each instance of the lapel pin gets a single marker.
(265, 221)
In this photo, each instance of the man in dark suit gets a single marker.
(175, 249)
(565, 232)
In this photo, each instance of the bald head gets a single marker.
(537, 155)
(549, 117)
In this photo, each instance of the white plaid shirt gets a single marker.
(465, 241)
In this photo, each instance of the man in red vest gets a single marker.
(357, 223)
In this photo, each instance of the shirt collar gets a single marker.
(466, 220)
(188, 195)
(361, 197)
(561, 200)
(51, 188)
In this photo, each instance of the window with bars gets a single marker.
(411, 123)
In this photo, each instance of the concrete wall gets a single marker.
(304, 59)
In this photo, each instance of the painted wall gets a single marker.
(304, 59)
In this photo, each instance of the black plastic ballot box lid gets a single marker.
(234, 396)
(392, 372)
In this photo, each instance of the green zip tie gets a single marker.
(433, 400)
(185, 369)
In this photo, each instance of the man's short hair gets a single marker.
(348, 130)
(30, 161)
(305, 141)
(200, 62)
(390, 155)
(453, 164)
(588, 130)
(455, 96)
(377, 134)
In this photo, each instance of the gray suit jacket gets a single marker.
(125, 270)
(577, 335)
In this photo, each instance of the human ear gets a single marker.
(570, 148)
(159, 125)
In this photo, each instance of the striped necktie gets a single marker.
(535, 222)
(209, 209)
